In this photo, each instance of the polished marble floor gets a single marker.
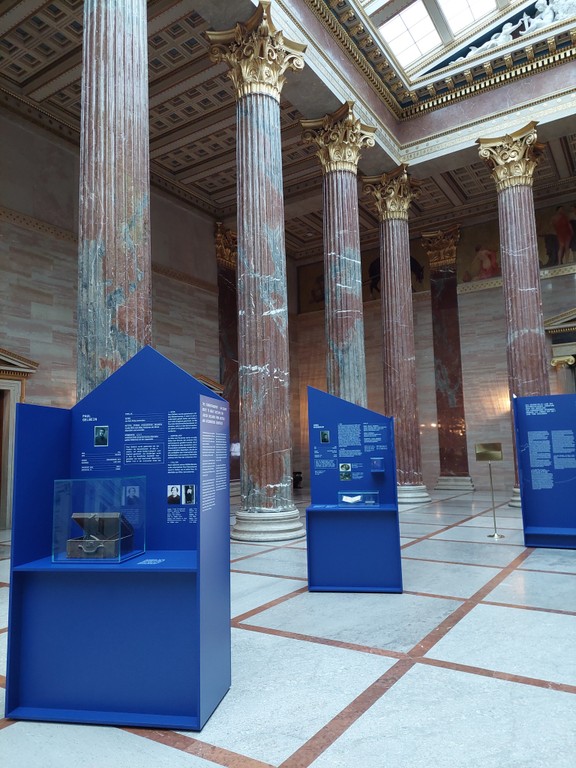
(474, 664)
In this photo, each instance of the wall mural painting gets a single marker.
(556, 228)
(478, 257)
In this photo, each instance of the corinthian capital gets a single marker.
(440, 247)
(257, 54)
(339, 138)
(512, 158)
(226, 245)
(392, 193)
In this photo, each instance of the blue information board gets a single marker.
(353, 535)
(142, 640)
(546, 451)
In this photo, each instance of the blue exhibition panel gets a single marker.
(353, 530)
(546, 452)
(122, 634)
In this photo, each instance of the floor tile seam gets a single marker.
(3, 681)
(5, 722)
(318, 640)
(545, 570)
(3, 630)
(447, 624)
(268, 605)
(273, 575)
(535, 682)
(265, 551)
(474, 541)
(4, 584)
(203, 749)
(441, 530)
(340, 723)
(252, 554)
(434, 595)
(536, 608)
(451, 562)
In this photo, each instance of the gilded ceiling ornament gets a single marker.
(440, 247)
(226, 245)
(392, 193)
(257, 54)
(512, 158)
(339, 138)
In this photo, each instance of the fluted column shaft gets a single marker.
(392, 195)
(451, 420)
(114, 283)
(526, 343)
(339, 138)
(399, 357)
(344, 313)
(264, 379)
(258, 55)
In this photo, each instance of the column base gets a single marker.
(515, 501)
(268, 526)
(448, 483)
(413, 494)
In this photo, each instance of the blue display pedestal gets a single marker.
(546, 451)
(353, 535)
(145, 640)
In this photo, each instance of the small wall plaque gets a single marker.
(489, 452)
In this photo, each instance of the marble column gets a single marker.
(392, 194)
(512, 160)
(441, 247)
(114, 267)
(258, 55)
(339, 138)
(226, 260)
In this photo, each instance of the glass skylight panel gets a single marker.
(411, 34)
(463, 13)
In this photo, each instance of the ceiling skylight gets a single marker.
(463, 13)
(411, 33)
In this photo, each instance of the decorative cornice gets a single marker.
(339, 138)
(392, 193)
(257, 54)
(355, 34)
(37, 225)
(440, 247)
(226, 246)
(14, 366)
(512, 158)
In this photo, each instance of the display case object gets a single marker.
(99, 519)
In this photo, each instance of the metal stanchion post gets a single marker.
(494, 535)
(490, 452)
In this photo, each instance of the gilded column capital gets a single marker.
(339, 138)
(257, 54)
(392, 193)
(440, 246)
(563, 362)
(512, 158)
(226, 246)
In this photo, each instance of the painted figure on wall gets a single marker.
(565, 232)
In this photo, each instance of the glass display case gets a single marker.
(99, 519)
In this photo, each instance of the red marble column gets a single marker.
(392, 194)
(440, 248)
(512, 160)
(114, 269)
(258, 55)
(339, 138)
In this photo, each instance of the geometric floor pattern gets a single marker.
(474, 664)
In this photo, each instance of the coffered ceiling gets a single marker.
(193, 107)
